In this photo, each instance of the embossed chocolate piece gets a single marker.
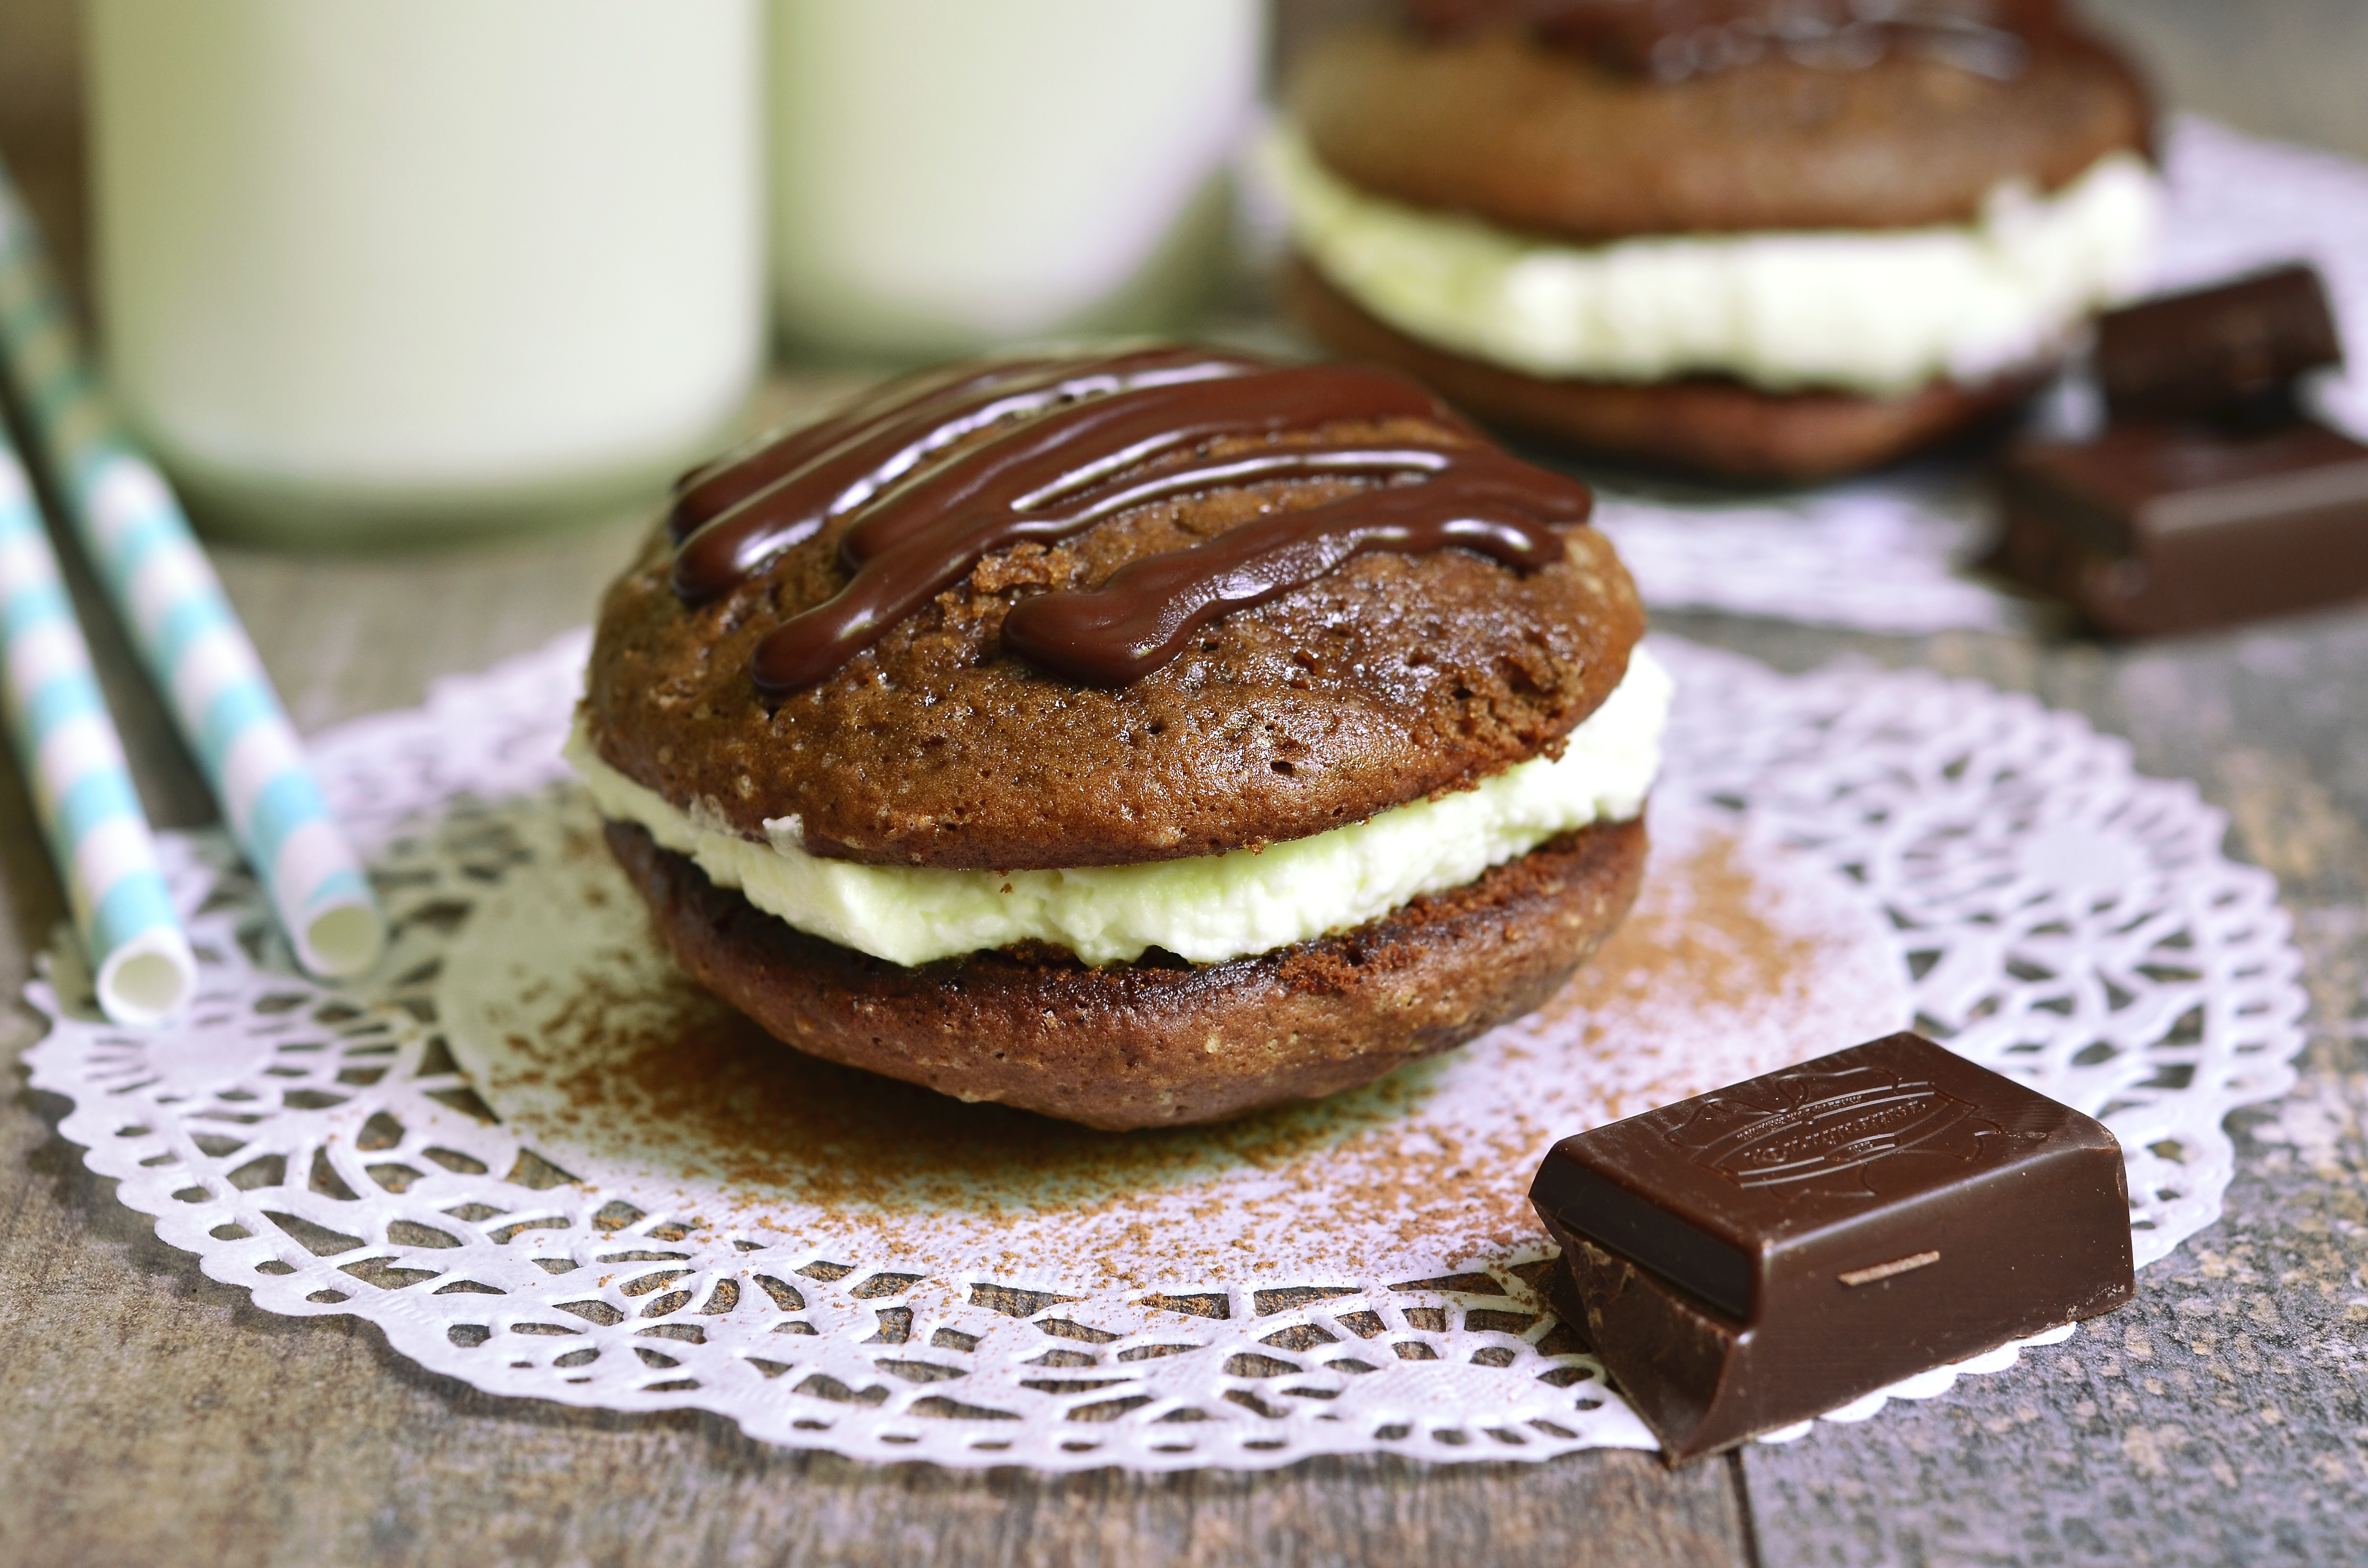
(2226, 353)
(1760, 1254)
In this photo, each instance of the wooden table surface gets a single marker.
(156, 1418)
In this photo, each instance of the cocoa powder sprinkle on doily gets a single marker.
(639, 1063)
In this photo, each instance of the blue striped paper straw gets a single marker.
(73, 762)
(196, 650)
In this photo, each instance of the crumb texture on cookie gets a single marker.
(1383, 678)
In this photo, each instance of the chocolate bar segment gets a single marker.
(2158, 528)
(2230, 353)
(1758, 1255)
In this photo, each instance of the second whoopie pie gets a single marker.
(1775, 239)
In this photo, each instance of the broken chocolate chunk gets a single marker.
(2229, 354)
(2158, 528)
(1771, 1251)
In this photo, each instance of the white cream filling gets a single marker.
(1879, 313)
(1206, 909)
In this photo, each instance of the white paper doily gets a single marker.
(2236, 204)
(672, 1212)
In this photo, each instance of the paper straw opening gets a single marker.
(344, 940)
(197, 655)
(148, 979)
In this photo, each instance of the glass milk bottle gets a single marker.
(373, 268)
(950, 173)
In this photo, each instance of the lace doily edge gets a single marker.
(48, 1069)
(51, 1066)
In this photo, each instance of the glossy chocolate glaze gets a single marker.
(1083, 440)
(1674, 40)
(738, 513)
(1150, 608)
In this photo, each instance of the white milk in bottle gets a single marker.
(950, 173)
(378, 268)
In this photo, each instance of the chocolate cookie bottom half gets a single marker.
(1702, 423)
(1153, 1044)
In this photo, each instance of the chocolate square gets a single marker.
(1768, 1251)
(2227, 353)
(2158, 528)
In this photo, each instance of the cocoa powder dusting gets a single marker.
(1712, 979)
(766, 1116)
(1705, 937)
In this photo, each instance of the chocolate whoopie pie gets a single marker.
(1771, 239)
(1141, 738)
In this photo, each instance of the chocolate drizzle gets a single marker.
(1060, 446)
(735, 516)
(1150, 608)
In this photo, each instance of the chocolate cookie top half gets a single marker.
(1503, 124)
(1042, 613)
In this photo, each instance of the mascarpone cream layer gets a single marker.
(1876, 312)
(1207, 909)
